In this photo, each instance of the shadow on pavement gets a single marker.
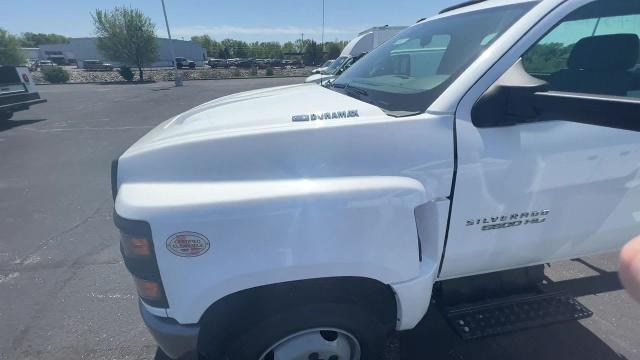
(10, 124)
(605, 282)
(434, 339)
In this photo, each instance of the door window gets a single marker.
(595, 50)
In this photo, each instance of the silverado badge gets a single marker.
(511, 220)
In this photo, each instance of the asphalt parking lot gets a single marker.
(65, 294)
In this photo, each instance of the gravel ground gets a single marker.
(205, 73)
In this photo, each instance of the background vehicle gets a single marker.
(336, 68)
(322, 67)
(217, 63)
(17, 91)
(182, 62)
(445, 166)
(262, 63)
(45, 64)
(241, 63)
(275, 63)
(365, 42)
(96, 65)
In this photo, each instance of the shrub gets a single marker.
(269, 71)
(254, 71)
(56, 75)
(236, 73)
(126, 73)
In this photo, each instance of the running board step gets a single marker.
(494, 318)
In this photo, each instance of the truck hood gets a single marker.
(257, 111)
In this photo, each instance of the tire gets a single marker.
(5, 115)
(340, 322)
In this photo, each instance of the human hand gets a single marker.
(630, 268)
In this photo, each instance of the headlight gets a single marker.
(136, 246)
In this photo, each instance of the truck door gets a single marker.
(551, 170)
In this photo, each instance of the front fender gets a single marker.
(266, 232)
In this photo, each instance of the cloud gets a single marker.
(268, 33)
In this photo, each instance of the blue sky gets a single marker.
(248, 20)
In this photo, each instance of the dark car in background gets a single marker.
(217, 63)
(96, 65)
(276, 63)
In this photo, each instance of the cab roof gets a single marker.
(474, 5)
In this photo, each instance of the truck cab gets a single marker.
(260, 228)
(17, 91)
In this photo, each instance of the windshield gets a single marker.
(405, 75)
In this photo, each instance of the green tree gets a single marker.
(332, 50)
(547, 58)
(289, 48)
(29, 39)
(270, 49)
(312, 53)
(126, 35)
(213, 47)
(56, 75)
(10, 53)
(224, 53)
(236, 48)
(301, 45)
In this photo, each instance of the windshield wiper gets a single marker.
(358, 93)
(351, 89)
(363, 95)
(357, 90)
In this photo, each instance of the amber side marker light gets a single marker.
(135, 246)
(149, 290)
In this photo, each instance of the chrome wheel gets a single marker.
(315, 344)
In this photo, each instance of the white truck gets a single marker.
(17, 91)
(366, 41)
(443, 168)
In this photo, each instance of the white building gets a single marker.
(30, 53)
(80, 49)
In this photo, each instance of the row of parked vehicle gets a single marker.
(89, 65)
(259, 63)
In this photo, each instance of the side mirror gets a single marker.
(510, 100)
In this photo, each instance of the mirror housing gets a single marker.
(510, 100)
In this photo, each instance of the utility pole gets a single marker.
(178, 76)
(322, 40)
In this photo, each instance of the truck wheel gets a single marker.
(6, 115)
(316, 332)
